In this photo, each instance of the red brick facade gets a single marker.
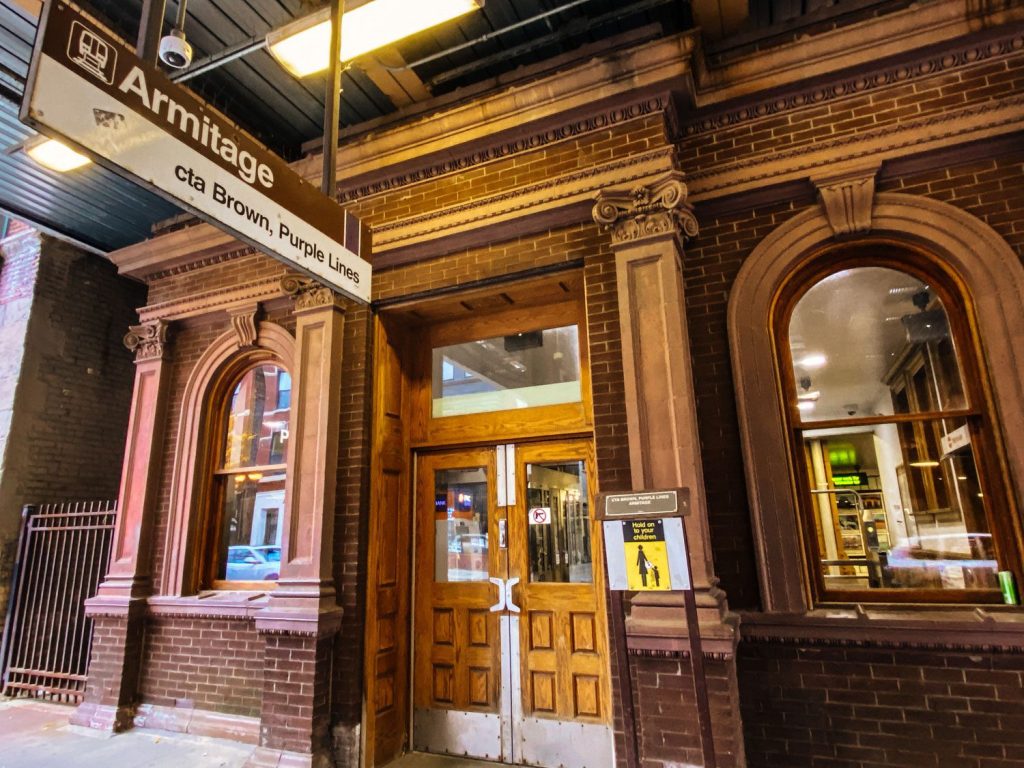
(941, 121)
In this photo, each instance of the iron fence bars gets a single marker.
(63, 554)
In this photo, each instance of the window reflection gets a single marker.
(251, 479)
(460, 525)
(522, 370)
(897, 504)
(558, 523)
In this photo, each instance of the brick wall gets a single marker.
(213, 664)
(869, 707)
(666, 711)
(968, 73)
(65, 378)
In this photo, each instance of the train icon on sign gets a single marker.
(93, 54)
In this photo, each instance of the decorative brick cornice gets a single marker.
(647, 211)
(309, 294)
(206, 261)
(149, 340)
(986, 120)
(573, 129)
(960, 629)
(895, 74)
(683, 653)
(194, 305)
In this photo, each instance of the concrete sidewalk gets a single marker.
(35, 734)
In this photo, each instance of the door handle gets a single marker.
(500, 584)
(512, 607)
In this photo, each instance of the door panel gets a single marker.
(511, 641)
(564, 645)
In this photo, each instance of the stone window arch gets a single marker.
(972, 256)
(199, 440)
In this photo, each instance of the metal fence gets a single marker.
(63, 553)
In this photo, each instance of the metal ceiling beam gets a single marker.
(151, 27)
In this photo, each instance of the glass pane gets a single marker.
(523, 370)
(899, 506)
(257, 429)
(872, 342)
(460, 525)
(250, 548)
(558, 521)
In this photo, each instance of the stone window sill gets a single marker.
(218, 604)
(965, 627)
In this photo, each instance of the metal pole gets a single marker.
(332, 103)
(700, 682)
(151, 27)
(616, 613)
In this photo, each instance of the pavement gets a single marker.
(36, 734)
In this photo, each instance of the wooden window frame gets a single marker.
(989, 460)
(218, 409)
(540, 421)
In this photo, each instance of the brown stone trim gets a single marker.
(994, 279)
(570, 127)
(198, 722)
(209, 605)
(954, 630)
(215, 300)
(855, 46)
(678, 653)
(989, 120)
(189, 456)
(968, 54)
(552, 193)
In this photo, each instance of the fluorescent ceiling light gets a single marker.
(812, 360)
(809, 396)
(302, 47)
(56, 156)
(924, 464)
(805, 405)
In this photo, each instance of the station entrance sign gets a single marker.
(87, 88)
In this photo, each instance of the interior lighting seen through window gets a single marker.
(522, 370)
(251, 479)
(893, 474)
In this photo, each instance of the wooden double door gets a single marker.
(510, 635)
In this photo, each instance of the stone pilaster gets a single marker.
(118, 607)
(649, 225)
(302, 616)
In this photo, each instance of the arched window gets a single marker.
(894, 453)
(248, 489)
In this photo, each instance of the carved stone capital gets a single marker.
(309, 294)
(149, 340)
(644, 212)
(848, 199)
(245, 323)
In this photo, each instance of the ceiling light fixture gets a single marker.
(805, 405)
(56, 155)
(812, 360)
(301, 47)
(808, 396)
(924, 464)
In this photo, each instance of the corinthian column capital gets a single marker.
(647, 211)
(149, 340)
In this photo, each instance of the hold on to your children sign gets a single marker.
(645, 542)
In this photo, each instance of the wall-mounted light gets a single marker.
(301, 47)
(56, 155)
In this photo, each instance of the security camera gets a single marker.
(850, 408)
(175, 51)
